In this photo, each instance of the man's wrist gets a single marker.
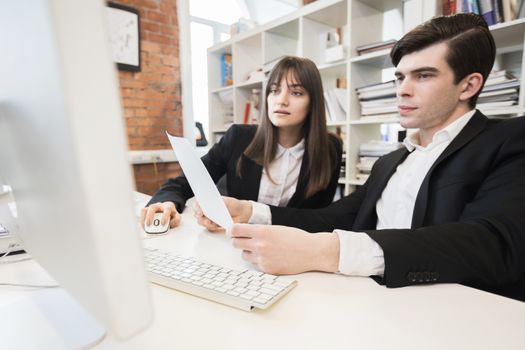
(259, 213)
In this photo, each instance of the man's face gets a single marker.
(428, 99)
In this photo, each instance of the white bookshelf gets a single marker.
(363, 22)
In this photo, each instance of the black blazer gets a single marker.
(468, 224)
(222, 159)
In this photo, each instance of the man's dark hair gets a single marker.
(471, 47)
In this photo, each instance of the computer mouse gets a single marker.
(156, 226)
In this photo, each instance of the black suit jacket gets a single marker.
(222, 159)
(468, 224)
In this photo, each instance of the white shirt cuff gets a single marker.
(359, 255)
(261, 214)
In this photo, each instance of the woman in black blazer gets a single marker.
(289, 159)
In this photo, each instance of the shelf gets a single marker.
(332, 66)
(356, 182)
(374, 120)
(221, 89)
(250, 84)
(362, 22)
(343, 181)
(509, 34)
(378, 59)
(333, 15)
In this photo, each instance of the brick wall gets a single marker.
(151, 98)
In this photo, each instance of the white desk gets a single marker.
(324, 311)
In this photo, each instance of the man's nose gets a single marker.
(404, 87)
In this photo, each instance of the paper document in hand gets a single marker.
(200, 181)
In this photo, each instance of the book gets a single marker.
(498, 92)
(226, 69)
(340, 95)
(246, 119)
(495, 104)
(376, 45)
(449, 7)
(513, 83)
(376, 94)
(486, 10)
(335, 112)
(520, 10)
(498, 11)
(376, 86)
(470, 6)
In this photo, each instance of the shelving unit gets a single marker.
(301, 34)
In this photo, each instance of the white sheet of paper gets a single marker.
(200, 181)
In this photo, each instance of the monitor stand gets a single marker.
(48, 319)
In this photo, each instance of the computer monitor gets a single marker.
(63, 152)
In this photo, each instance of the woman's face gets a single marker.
(288, 103)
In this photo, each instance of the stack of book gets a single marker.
(500, 90)
(378, 100)
(369, 152)
(372, 47)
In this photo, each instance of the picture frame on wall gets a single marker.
(124, 36)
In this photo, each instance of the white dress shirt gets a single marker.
(360, 255)
(284, 171)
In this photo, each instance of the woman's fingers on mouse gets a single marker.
(175, 219)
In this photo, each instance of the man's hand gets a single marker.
(282, 250)
(169, 213)
(240, 211)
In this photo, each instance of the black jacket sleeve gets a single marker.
(338, 215)
(485, 246)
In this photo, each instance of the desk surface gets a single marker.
(322, 311)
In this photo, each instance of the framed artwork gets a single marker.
(124, 37)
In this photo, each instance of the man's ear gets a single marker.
(471, 84)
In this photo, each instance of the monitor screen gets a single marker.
(63, 151)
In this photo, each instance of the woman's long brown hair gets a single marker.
(263, 147)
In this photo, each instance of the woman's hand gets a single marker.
(240, 211)
(169, 213)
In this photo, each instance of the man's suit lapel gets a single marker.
(367, 217)
(475, 125)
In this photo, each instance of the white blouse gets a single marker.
(284, 171)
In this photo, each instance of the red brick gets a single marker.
(157, 17)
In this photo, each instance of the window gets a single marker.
(209, 23)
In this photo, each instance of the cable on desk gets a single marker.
(39, 286)
(8, 251)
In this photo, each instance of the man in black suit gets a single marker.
(444, 209)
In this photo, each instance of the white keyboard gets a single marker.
(245, 290)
